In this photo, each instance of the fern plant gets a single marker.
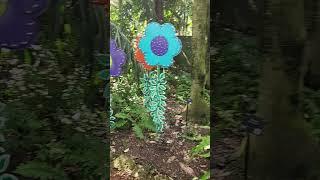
(138, 118)
(130, 113)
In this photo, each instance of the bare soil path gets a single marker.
(167, 155)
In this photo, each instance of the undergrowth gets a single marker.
(237, 65)
(127, 104)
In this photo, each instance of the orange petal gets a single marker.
(140, 56)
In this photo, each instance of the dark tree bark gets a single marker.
(313, 43)
(159, 10)
(285, 151)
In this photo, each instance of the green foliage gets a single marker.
(132, 15)
(41, 170)
(137, 117)
(237, 68)
(70, 151)
(203, 148)
(205, 176)
(312, 111)
(179, 13)
(236, 75)
(182, 81)
(4, 158)
(128, 108)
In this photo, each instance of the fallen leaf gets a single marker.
(187, 169)
(169, 141)
(126, 150)
(172, 158)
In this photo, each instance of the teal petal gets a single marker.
(151, 59)
(145, 47)
(175, 46)
(166, 60)
(144, 44)
(153, 29)
(168, 30)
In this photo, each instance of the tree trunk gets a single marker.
(159, 10)
(313, 53)
(199, 108)
(284, 151)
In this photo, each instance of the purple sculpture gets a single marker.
(117, 59)
(18, 24)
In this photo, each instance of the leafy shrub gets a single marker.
(203, 148)
(127, 104)
(56, 154)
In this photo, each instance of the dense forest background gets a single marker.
(264, 56)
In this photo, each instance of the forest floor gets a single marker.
(161, 157)
(227, 164)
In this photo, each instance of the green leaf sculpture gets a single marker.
(154, 86)
(145, 89)
(112, 118)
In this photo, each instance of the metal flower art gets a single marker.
(117, 59)
(160, 44)
(18, 22)
(139, 56)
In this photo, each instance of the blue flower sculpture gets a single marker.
(160, 44)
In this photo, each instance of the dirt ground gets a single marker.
(166, 155)
(227, 165)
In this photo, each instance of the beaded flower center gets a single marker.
(3, 6)
(159, 45)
